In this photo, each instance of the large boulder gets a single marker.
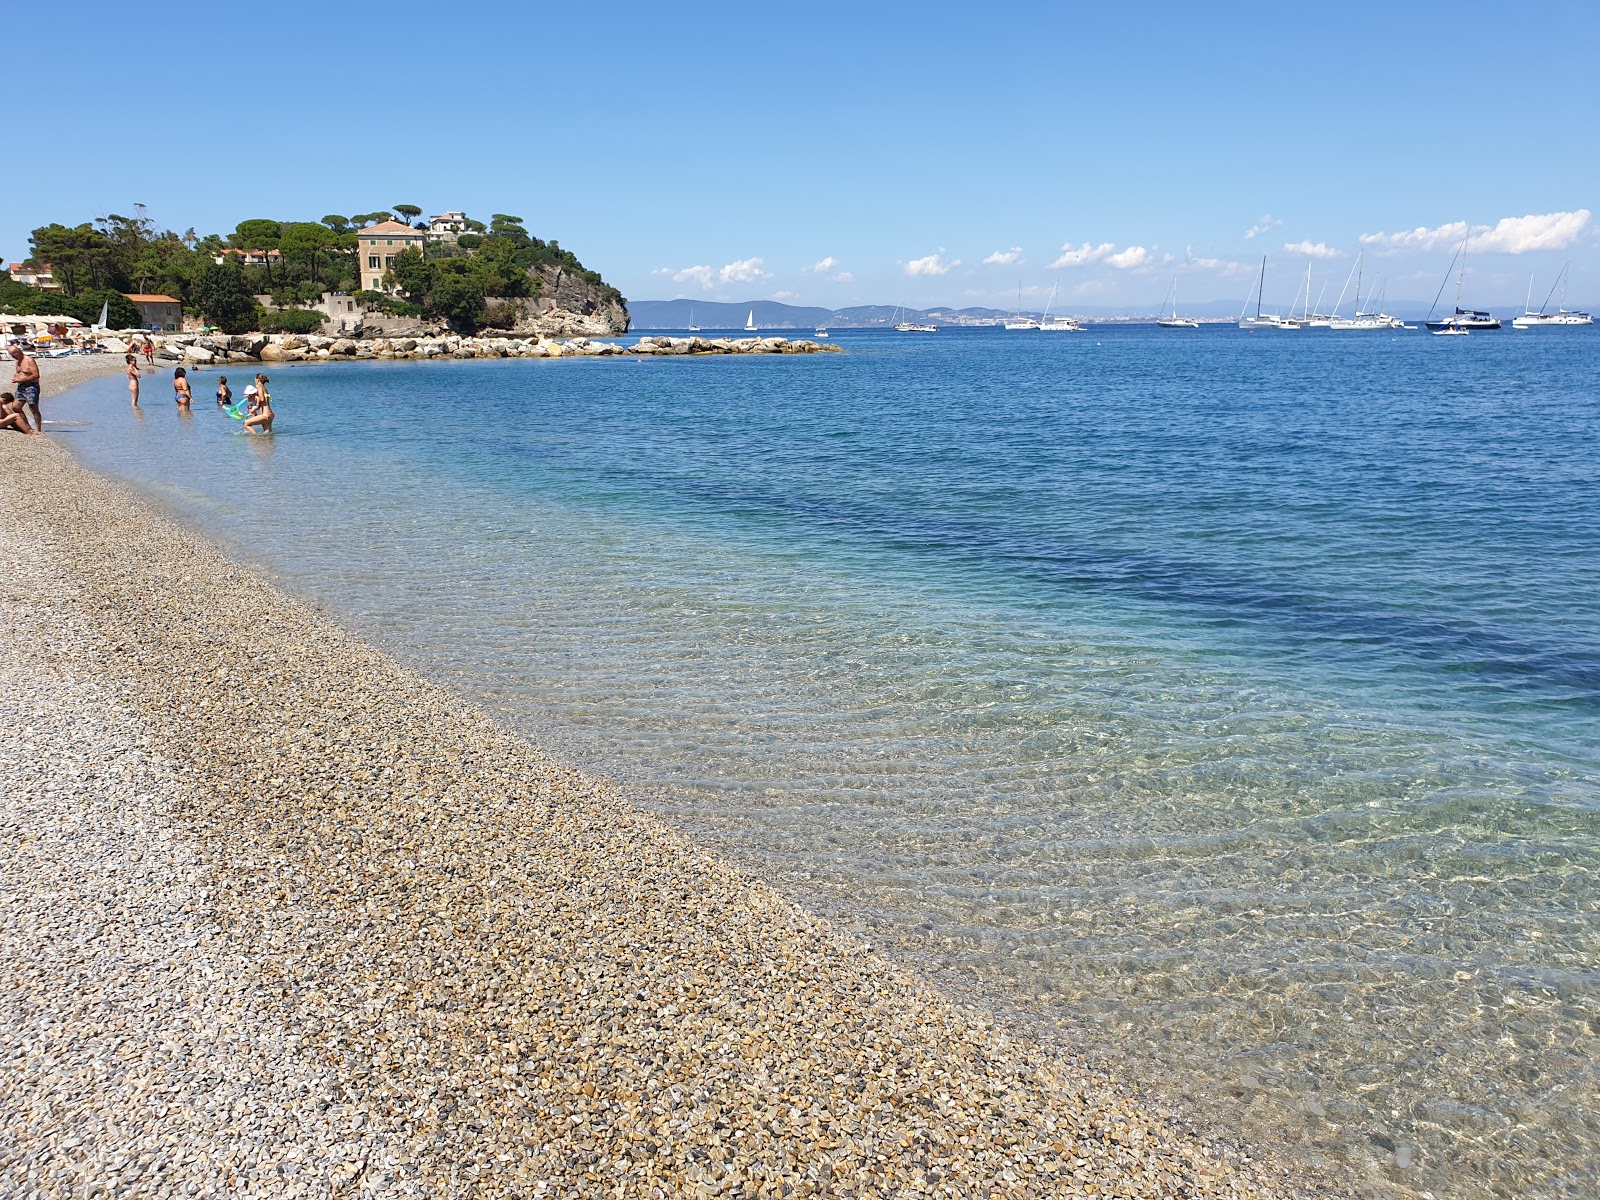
(199, 354)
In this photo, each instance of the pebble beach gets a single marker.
(281, 918)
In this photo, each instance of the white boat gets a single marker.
(750, 322)
(911, 326)
(1463, 318)
(1049, 324)
(1449, 329)
(821, 332)
(693, 328)
(1018, 321)
(1362, 321)
(1174, 321)
(1542, 319)
(1264, 320)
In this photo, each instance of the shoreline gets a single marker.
(483, 966)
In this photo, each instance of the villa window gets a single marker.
(372, 261)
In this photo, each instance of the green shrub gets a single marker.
(292, 320)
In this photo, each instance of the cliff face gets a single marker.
(568, 305)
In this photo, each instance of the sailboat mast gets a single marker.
(1361, 259)
(1262, 286)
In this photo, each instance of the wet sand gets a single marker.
(282, 918)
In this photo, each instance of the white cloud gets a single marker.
(827, 264)
(1311, 249)
(1222, 265)
(1266, 222)
(844, 277)
(1127, 260)
(1004, 258)
(746, 270)
(704, 276)
(1509, 235)
(931, 265)
(784, 295)
(1082, 255)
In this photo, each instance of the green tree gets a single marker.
(412, 274)
(469, 241)
(408, 212)
(224, 298)
(336, 223)
(303, 241)
(258, 234)
(504, 226)
(458, 297)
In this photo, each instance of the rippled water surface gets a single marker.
(1229, 700)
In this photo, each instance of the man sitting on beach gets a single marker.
(26, 379)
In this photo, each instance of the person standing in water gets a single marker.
(180, 388)
(261, 416)
(224, 393)
(132, 372)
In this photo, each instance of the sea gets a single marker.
(1222, 707)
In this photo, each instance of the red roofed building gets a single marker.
(39, 276)
(158, 311)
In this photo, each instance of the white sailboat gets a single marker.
(1018, 321)
(750, 322)
(1362, 320)
(1264, 320)
(1174, 321)
(1051, 324)
(693, 328)
(1542, 319)
(909, 326)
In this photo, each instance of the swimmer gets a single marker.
(180, 388)
(224, 393)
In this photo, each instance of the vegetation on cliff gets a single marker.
(474, 280)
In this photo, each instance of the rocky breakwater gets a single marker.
(208, 349)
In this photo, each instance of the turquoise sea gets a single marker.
(1225, 704)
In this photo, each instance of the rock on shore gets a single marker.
(283, 919)
(206, 349)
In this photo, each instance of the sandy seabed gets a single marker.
(281, 918)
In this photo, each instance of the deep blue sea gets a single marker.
(1227, 704)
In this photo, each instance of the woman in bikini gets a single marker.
(224, 393)
(12, 415)
(180, 388)
(261, 415)
(132, 371)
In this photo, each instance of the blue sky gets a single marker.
(845, 154)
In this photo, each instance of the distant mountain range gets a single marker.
(770, 314)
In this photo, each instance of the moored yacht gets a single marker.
(1051, 324)
(1017, 320)
(1173, 320)
(1542, 319)
(1264, 320)
(1462, 319)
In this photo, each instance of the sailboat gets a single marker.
(105, 311)
(1267, 320)
(750, 322)
(1175, 321)
(1057, 324)
(1361, 320)
(1018, 321)
(1463, 318)
(1542, 319)
(693, 328)
(909, 326)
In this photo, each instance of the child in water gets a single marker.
(261, 408)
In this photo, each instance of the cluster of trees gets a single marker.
(96, 262)
(454, 282)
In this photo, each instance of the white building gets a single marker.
(446, 227)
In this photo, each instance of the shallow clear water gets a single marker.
(1230, 700)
